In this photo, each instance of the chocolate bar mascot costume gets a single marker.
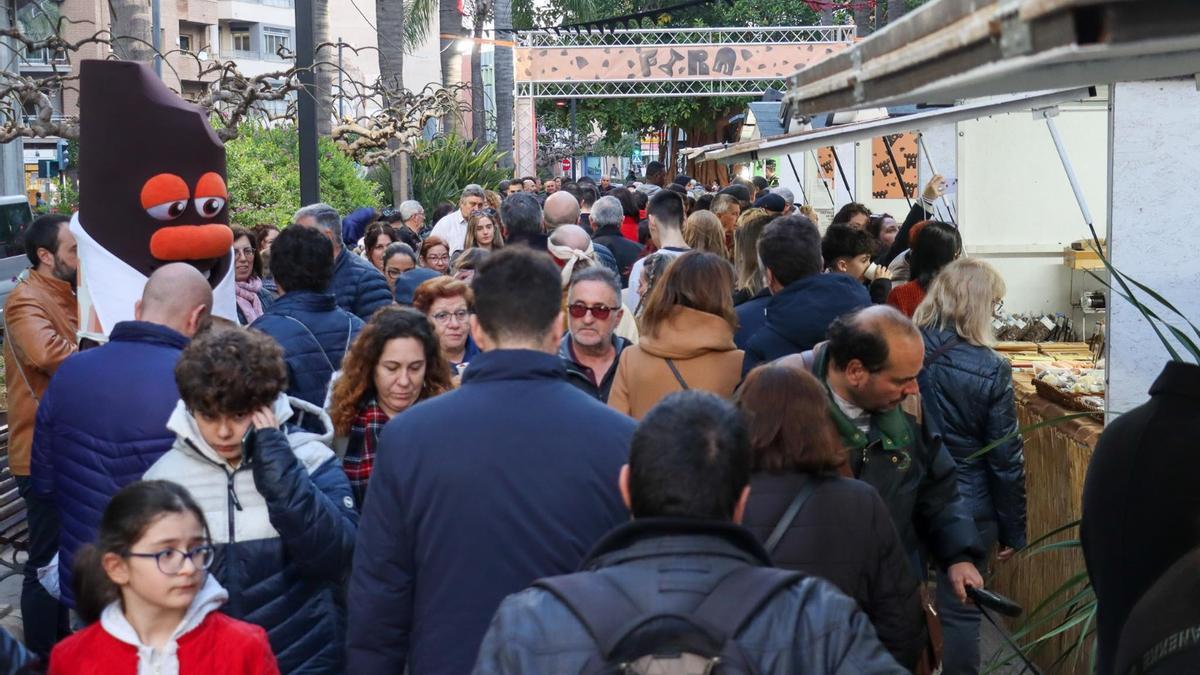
(151, 191)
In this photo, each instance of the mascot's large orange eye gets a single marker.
(165, 196)
(211, 195)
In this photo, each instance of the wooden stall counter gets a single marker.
(1056, 461)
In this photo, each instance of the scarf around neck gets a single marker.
(248, 300)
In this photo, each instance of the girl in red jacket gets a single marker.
(150, 605)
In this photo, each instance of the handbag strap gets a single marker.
(314, 337)
(678, 378)
(789, 516)
(941, 351)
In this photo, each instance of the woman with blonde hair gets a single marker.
(703, 232)
(970, 387)
(483, 231)
(686, 337)
(393, 364)
(750, 282)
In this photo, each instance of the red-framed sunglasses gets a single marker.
(578, 310)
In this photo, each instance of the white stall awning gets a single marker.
(803, 141)
(951, 50)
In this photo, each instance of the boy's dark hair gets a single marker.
(43, 233)
(849, 211)
(518, 294)
(521, 214)
(126, 518)
(667, 208)
(302, 260)
(690, 458)
(230, 372)
(790, 246)
(843, 241)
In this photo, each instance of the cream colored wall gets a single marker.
(421, 67)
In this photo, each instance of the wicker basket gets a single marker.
(1068, 401)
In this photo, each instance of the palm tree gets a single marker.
(390, 20)
(504, 82)
(323, 74)
(131, 30)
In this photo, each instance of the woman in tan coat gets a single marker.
(686, 337)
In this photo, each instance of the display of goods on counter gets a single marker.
(1024, 355)
(1035, 328)
(1073, 387)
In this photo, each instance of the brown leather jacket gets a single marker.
(701, 347)
(41, 317)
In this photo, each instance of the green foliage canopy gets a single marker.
(443, 166)
(264, 177)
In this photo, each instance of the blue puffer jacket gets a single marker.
(359, 288)
(972, 390)
(283, 523)
(93, 440)
(667, 565)
(315, 334)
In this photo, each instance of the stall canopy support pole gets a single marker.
(817, 162)
(842, 172)
(887, 143)
(932, 173)
(1049, 114)
(799, 181)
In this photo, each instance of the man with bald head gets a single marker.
(103, 420)
(561, 210)
(870, 366)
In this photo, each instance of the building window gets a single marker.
(241, 38)
(275, 40)
(185, 42)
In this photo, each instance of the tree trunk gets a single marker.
(862, 21)
(478, 106)
(133, 38)
(827, 17)
(896, 9)
(504, 82)
(325, 59)
(389, 17)
(450, 26)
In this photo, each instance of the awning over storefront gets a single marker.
(951, 50)
(847, 133)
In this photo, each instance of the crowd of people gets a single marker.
(559, 425)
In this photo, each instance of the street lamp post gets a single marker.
(310, 186)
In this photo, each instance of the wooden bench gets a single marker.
(14, 528)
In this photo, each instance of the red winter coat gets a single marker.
(218, 646)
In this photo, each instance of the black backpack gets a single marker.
(635, 642)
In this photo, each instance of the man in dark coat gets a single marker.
(474, 494)
(1139, 505)
(804, 302)
(358, 287)
(306, 321)
(103, 420)
(687, 483)
(521, 215)
(870, 366)
(607, 214)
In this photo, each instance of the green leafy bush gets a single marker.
(441, 168)
(264, 177)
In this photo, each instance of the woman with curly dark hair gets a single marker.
(392, 365)
(259, 464)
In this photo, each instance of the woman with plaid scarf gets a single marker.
(393, 364)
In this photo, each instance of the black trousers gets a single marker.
(45, 619)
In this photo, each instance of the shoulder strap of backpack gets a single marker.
(740, 595)
(601, 606)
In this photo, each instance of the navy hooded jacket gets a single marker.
(315, 334)
(474, 495)
(282, 522)
(798, 316)
(101, 423)
(359, 288)
(752, 315)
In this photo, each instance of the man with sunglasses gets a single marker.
(591, 349)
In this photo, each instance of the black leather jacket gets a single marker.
(671, 565)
